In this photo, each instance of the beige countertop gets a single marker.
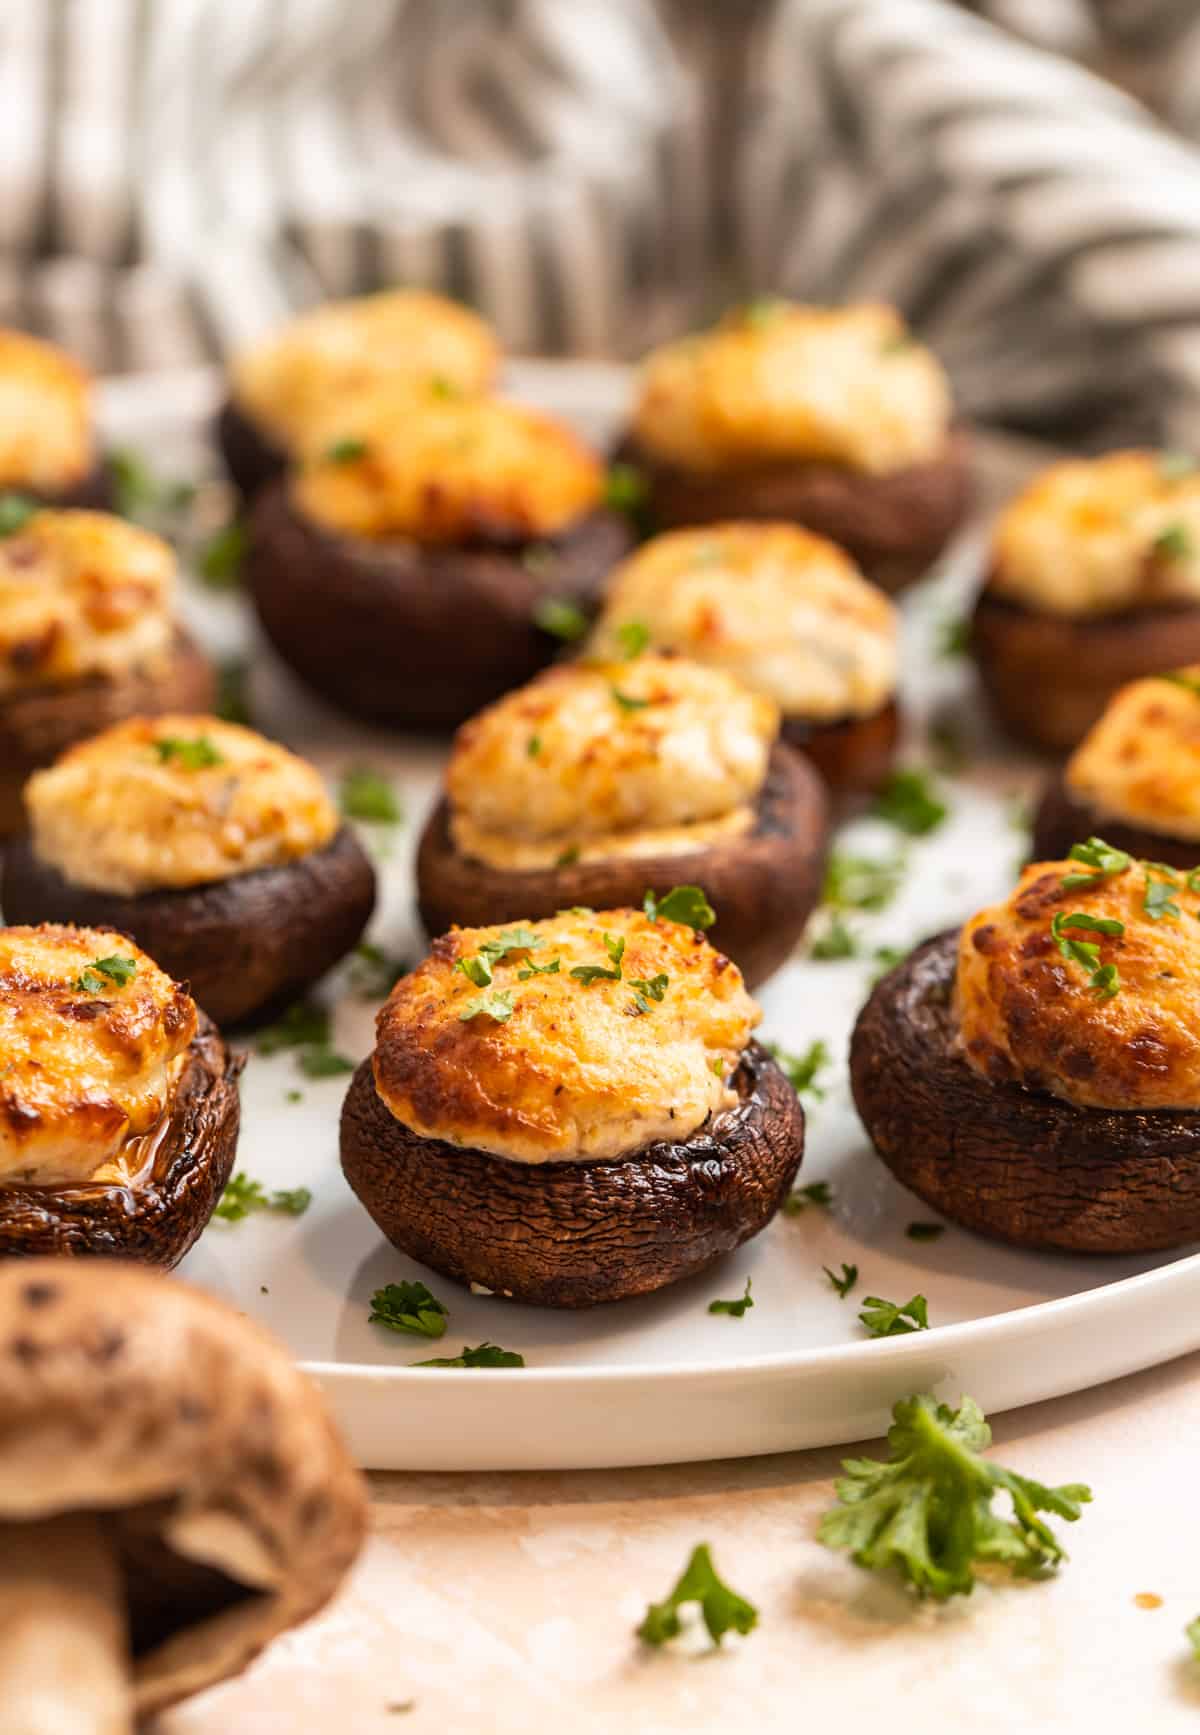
(501, 1604)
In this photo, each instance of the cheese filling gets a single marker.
(333, 354)
(1140, 763)
(93, 1039)
(82, 594)
(776, 381)
(596, 760)
(1095, 536)
(46, 441)
(545, 1065)
(786, 612)
(167, 802)
(1113, 1028)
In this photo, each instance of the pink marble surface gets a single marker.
(500, 1605)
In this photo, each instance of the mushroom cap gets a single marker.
(230, 1500)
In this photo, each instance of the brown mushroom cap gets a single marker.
(415, 636)
(894, 526)
(250, 455)
(38, 724)
(763, 885)
(1017, 1164)
(244, 945)
(206, 1459)
(157, 1221)
(1049, 677)
(577, 1234)
(1062, 820)
(854, 754)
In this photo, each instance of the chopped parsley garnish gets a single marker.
(322, 1062)
(243, 1195)
(633, 637)
(567, 857)
(374, 972)
(561, 619)
(721, 1609)
(1158, 900)
(626, 701)
(686, 904)
(736, 1309)
(645, 991)
(220, 561)
(1181, 678)
(803, 1071)
(927, 1512)
(626, 489)
(101, 971)
(1095, 853)
(1174, 466)
(925, 1231)
(818, 1193)
(484, 1355)
(1102, 978)
(441, 386)
(347, 451)
(293, 1096)
(478, 969)
(368, 795)
(533, 746)
(498, 1006)
(1174, 542)
(303, 1023)
(764, 310)
(909, 802)
(857, 882)
(530, 969)
(408, 1307)
(834, 942)
(590, 973)
(893, 1318)
(138, 492)
(233, 703)
(194, 753)
(15, 512)
(886, 958)
(953, 636)
(845, 1283)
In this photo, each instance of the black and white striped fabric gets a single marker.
(176, 175)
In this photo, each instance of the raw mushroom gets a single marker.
(172, 1495)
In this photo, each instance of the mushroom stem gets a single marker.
(64, 1662)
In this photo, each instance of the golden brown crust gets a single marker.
(45, 418)
(1061, 821)
(1140, 761)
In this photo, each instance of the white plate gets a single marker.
(662, 1380)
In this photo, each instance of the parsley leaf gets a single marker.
(892, 1318)
(115, 969)
(645, 991)
(721, 1609)
(800, 1198)
(764, 310)
(195, 753)
(530, 968)
(845, 1283)
(1181, 678)
(478, 968)
(1095, 853)
(408, 1307)
(15, 512)
(953, 636)
(243, 1195)
(626, 489)
(347, 451)
(1102, 978)
(374, 972)
(560, 618)
(633, 637)
(138, 492)
(1158, 900)
(303, 1023)
(498, 1006)
(686, 904)
(803, 1071)
(1174, 542)
(909, 802)
(219, 563)
(368, 795)
(736, 1309)
(927, 1513)
(1192, 1632)
(233, 703)
(590, 973)
(925, 1231)
(484, 1355)
(627, 702)
(320, 1061)
(533, 746)
(857, 882)
(834, 942)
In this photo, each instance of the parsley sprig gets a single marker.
(1158, 898)
(561, 618)
(408, 1307)
(721, 1608)
(685, 904)
(193, 753)
(846, 1282)
(1106, 862)
(115, 969)
(15, 512)
(633, 638)
(1103, 979)
(818, 1193)
(305, 1027)
(894, 1318)
(479, 966)
(368, 795)
(909, 801)
(803, 1071)
(645, 991)
(927, 1512)
(737, 1308)
(497, 1005)
(243, 1195)
(588, 974)
(484, 1355)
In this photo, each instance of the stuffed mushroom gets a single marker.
(599, 782)
(571, 1111)
(833, 418)
(1094, 581)
(404, 567)
(789, 614)
(118, 1100)
(218, 850)
(88, 634)
(333, 354)
(48, 447)
(1135, 776)
(1036, 1076)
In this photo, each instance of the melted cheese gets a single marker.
(785, 611)
(45, 416)
(574, 1074)
(1141, 762)
(1097, 535)
(442, 469)
(775, 381)
(331, 355)
(82, 594)
(115, 814)
(84, 1071)
(1029, 1015)
(563, 764)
